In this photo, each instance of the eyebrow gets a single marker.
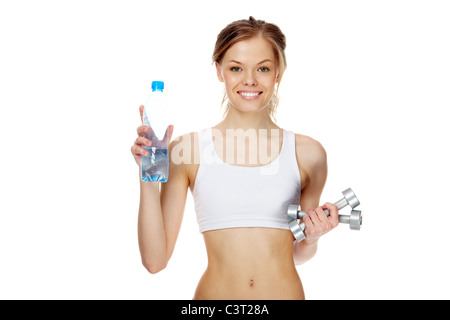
(266, 60)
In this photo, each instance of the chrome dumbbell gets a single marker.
(354, 219)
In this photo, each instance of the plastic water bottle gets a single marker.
(155, 166)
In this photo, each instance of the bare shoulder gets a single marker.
(184, 149)
(309, 149)
(311, 158)
(184, 156)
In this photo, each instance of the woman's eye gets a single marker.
(235, 69)
(264, 69)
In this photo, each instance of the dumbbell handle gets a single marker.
(340, 204)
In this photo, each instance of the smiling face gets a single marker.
(250, 72)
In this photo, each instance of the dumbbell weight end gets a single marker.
(354, 219)
(297, 231)
(293, 211)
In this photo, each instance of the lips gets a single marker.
(250, 95)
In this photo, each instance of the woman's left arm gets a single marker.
(312, 161)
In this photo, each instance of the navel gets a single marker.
(251, 283)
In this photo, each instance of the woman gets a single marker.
(243, 173)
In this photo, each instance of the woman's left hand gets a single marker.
(317, 223)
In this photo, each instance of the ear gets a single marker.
(219, 72)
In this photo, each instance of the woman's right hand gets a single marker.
(137, 149)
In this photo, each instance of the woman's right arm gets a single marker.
(160, 211)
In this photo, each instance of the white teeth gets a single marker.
(249, 94)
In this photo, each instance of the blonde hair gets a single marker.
(245, 29)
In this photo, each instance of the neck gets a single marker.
(236, 119)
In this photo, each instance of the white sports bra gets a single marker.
(231, 196)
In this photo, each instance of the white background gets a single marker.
(369, 79)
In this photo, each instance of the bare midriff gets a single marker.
(249, 263)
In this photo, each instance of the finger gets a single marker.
(320, 221)
(312, 214)
(308, 223)
(138, 151)
(322, 215)
(141, 111)
(142, 141)
(334, 210)
(168, 134)
(141, 130)
(310, 227)
(334, 213)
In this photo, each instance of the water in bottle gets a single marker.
(155, 166)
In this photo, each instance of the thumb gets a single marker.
(168, 134)
(333, 209)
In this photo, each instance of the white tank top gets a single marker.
(232, 196)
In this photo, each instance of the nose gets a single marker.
(250, 79)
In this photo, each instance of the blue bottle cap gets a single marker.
(157, 85)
